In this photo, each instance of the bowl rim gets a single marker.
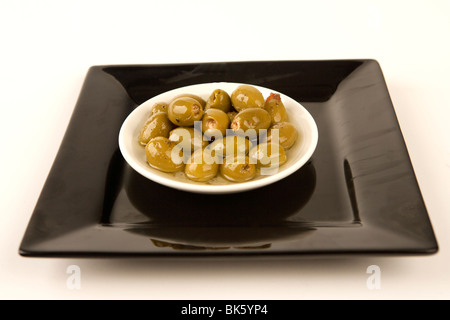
(218, 189)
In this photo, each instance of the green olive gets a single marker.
(215, 123)
(238, 169)
(251, 118)
(230, 146)
(159, 107)
(190, 95)
(188, 138)
(246, 96)
(219, 99)
(185, 111)
(158, 125)
(267, 155)
(276, 108)
(164, 155)
(202, 166)
(287, 134)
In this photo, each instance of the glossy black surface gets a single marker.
(357, 194)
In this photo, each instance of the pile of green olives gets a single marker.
(234, 136)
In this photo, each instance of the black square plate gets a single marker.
(357, 194)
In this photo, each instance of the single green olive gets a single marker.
(202, 166)
(160, 107)
(215, 123)
(267, 155)
(185, 111)
(238, 169)
(276, 108)
(190, 95)
(251, 118)
(246, 96)
(230, 146)
(164, 155)
(158, 125)
(287, 134)
(188, 138)
(219, 99)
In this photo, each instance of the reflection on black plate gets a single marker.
(358, 193)
(250, 219)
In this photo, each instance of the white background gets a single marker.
(46, 48)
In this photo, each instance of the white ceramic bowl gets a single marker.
(298, 155)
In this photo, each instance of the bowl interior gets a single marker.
(297, 155)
